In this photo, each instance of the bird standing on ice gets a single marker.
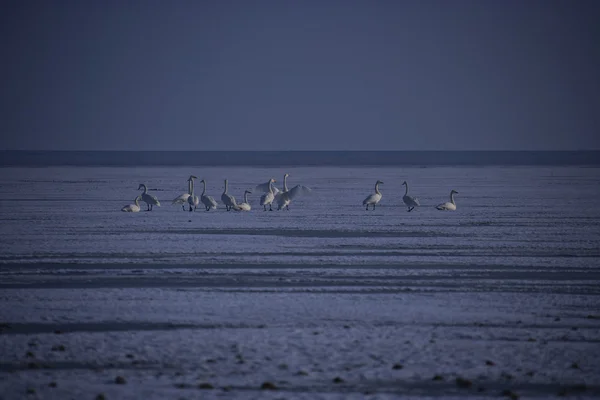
(192, 200)
(411, 202)
(448, 206)
(148, 198)
(284, 198)
(208, 201)
(267, 198)
(375, 197)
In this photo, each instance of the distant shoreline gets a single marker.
(26, 158)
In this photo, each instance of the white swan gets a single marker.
(411, 202)
(183, 198)
(133, 207)
(245, 206)
(449, 206)
(264, 187)
(192, 200)
(267, 198)
(148, 198)
(228, 199)
(285, 198)
(208, 201)
(375, 197)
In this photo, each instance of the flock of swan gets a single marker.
(410, 201)
(270, 194)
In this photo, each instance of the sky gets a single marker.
(300, 75)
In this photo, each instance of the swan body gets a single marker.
(245, 206)
(208, 201)
(284, 198)
(228, 199)
(182, 199)
(448, 206)
(374, 198)
(133, 207)
(411, 202)
(267, 198)
(149, 199)
(192, 200)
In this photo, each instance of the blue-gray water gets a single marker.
(297, 158)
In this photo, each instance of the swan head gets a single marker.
(453, 191)
(141, 186)
(272, 180)
(192, 177)
(247, 191)
(379, 182)
(286, 175)
(404, 183)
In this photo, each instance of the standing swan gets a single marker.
(268, 197)
(183, 198)
(228, 199)
(133, 207)
(264, 188)
(192, 200)
(245, 206)
(148, 198)
(449, 206)
(208, 201)
(375, 197)
(411, 202)
(285, 198)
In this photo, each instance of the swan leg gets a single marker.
(183, 207)
(270, 208)
(367, 207)
(410, 209)
(373, 207)
(265, 207)
(287, 207)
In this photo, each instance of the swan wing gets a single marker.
(370, 199)
(181, 199)
(297, 191)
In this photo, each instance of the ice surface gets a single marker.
(171, 299)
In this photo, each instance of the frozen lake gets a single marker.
(503, 293)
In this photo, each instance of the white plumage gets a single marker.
(133, 207)
(448, 206)
(374, 198)
(411, 202)
(149, 199)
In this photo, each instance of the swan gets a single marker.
(148, 198)
(264, 188)
(208, 201)
(268, 197)
(133, 207)
(228, 199)
(192, 200)
(245, 206)
(183, 198)
(411, 202)
(449, 206)
(285, 198)
(375, 197)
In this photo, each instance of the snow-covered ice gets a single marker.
(324, 301)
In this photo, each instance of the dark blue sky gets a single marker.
(300, 75)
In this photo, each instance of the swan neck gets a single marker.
(406, 193)
(145, 188)
(225, 186)
(137, 201)
(377, 188)
(452, 198)
(285, 189)
(245, 197)
(204, 190)
(191, 187)
(271, 187)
